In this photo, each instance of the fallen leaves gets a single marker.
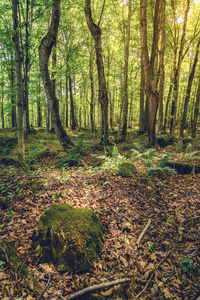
(124, 207)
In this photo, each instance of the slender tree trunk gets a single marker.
(126, 57)
(150, 67)
(189, 86)
(177, 73)
(44, 52)
(162, 68)
(196, 111)
(103, 96)
(26, 73)
(19, 61)
(92, 93)
(13, 94)
(142, 122)
(39, 113)
(66, 101)
(72, 108)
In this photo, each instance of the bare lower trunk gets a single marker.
(18, 56)
(196, 111)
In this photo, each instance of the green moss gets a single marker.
(11, 254)
(74, 235)
(127, 170)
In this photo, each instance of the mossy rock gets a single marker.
(70, 237)
(9, 254)
(146, 179)
(127, 170)
(3, 202)
(183, 168)
(165, 140)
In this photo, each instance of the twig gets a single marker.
(142, 234)
(45, 288)
(95, 288)
(101, 12)
(152, 274)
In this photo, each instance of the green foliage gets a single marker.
(71, 160)
(153, 163)
(112, 162)
(2, 262)
(187, 265)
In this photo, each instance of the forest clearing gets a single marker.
(163, 264)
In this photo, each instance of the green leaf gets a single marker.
(2, 262)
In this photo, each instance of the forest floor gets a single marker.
(163, 264)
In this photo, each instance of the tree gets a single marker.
(188, 90)
(18, 57)
(126, 57)
(45, 48)
(103, 96)
(150, 71)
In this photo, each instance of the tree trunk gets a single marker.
(66, 101)
(177, 73)
(103, 96)
(44, 53)
(189, 86)
(142, 122)
(39, 114)
(92, 93)
(162, 68)
(196, 111)
(150, 71)
(72, 108)
(26, 73)
(18, 57)
(126, 57)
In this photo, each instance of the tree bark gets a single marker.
(126, 57)
(196, 111)
(177, 73)
(142, 122)
(92, 93)
(44, 53)
(72, 108)
(162, 68)
(19, 61)
(150, 67)
(103, 96)
(189, 86)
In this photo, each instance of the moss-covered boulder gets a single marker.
(184, 168)
(70, 237)
(127, 170)
(146, 179)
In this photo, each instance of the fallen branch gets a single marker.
(152, 274)
(45, 288)
(96, 287)
(142, 234)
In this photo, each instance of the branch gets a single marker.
(94, 288)
(40, 297)
(101, 12)
(142, 234)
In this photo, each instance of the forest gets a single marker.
(99, 112)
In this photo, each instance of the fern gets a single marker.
(112, 162)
